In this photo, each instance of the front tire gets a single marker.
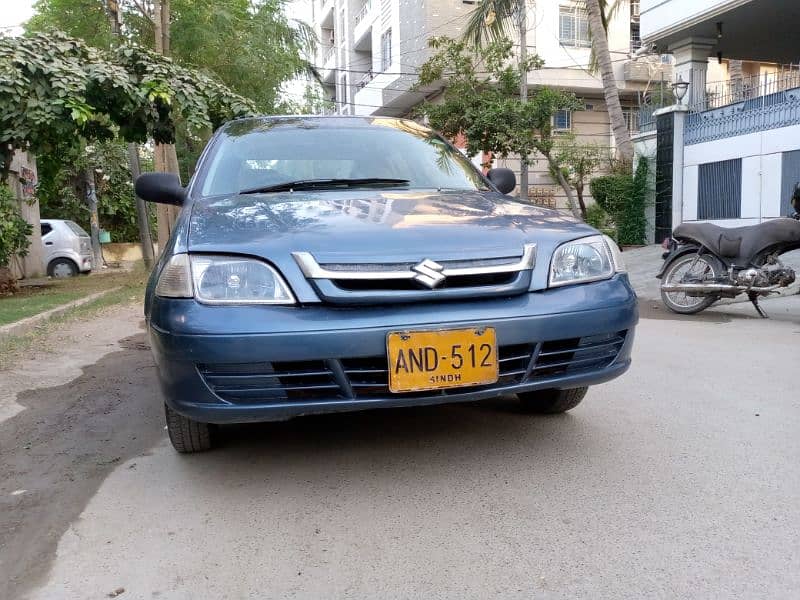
(187, 435)
(551, 402)
(707, 267)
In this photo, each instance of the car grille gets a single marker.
(381, 283)
(365, 377)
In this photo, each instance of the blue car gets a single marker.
(329, 264)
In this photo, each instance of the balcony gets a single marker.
(328, 63)
(646, 71)
(760, 113)
(362, 26)
(324, 15)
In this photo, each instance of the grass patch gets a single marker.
(131, 290)
(34, 299)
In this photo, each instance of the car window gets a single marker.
(398, 150)
(76, 229)
(46, 228)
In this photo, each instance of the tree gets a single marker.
(487, 109)
(491, 22)
(578, 162)
(249, 45)
(56, 92)
(62, 188)
(597, 27)
(14, 232)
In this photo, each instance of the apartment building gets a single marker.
(371, 50)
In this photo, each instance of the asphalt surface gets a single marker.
(678, 480)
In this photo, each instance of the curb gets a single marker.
(27, 324)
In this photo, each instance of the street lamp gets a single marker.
(680, 87)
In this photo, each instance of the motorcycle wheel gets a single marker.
(707, 267)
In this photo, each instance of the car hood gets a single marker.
(376, 226)
(373, 226)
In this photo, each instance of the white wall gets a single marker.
(569, 66)
(659, 16)
(761, 155)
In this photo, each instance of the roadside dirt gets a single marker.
(58, 443)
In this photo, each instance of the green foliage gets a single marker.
(481, 99)
(624, 198)
(611, 192)
(632, 223)
(14, 230)
(56, 90)
(62, 188)
(598, 218)
(248, 45)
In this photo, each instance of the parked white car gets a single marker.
(67, 248)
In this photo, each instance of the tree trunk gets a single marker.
(94, 219)
(556, 168)
(166, 160)
(581, 202)
(523, 92)
(142, 219)
(600, 45)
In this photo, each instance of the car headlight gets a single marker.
(223, 280)
(586, 259)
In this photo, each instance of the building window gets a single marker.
(573, 27)
(631, 119)
(562, 120)
(636, 38)
(386, 49)
(719, 190)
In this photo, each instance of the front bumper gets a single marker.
(231, 364)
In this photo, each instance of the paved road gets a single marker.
(679, 480)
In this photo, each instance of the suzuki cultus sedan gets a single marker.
(326, 264)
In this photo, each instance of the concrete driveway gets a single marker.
(678, 480)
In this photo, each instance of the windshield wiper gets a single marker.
(310, 184)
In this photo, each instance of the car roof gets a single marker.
(263, 122)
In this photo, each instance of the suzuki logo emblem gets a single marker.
(429, 273)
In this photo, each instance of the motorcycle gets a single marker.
(704, 262)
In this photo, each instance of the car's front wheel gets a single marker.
(187, 435)
(550, 402)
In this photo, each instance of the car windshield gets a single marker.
(274, 153)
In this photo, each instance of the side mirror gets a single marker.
(503, 179)
(164, 188)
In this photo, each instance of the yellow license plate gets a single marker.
(432, 360)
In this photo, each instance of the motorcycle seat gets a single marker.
(741, 244)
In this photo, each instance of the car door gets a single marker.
(49, 240)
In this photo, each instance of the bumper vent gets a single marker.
(368, 377)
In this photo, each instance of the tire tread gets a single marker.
(551, 402)
(187, 435)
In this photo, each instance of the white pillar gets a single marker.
(677, 166)
(691, 64)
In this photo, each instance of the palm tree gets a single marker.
(496, 19)
(597, 28)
